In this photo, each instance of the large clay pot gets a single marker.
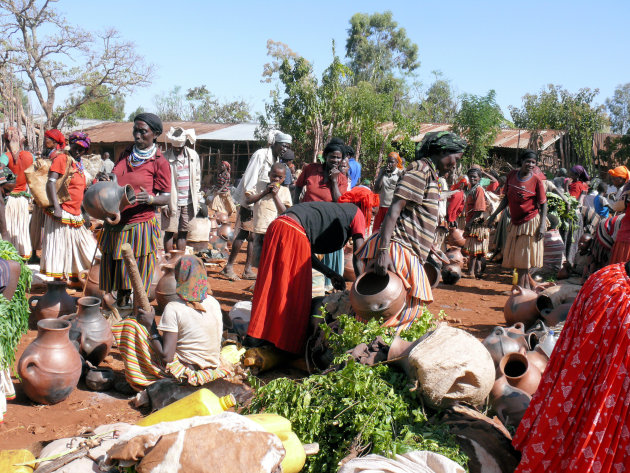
(374, 296)
(348, 268)
(226, 231)
(165, 290)
(106, 199)
(454, 254)
(537, 359)
(92, 277)
(557, 315)
(451, 273)
(433, 274)
(521, 307)
(519, 372)
(456, 237)
(499, 344)
(55, 302)
(90, 330)
(222, 217)
(50, 367)
(510, 403)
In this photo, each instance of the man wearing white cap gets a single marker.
(257, 171)
(185, 187)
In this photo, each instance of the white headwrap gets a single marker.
(177, 136)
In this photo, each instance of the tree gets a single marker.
(619, 108)
(205, 107)
(136, 112)
(479, 120)
(48, 54)
(558, 109)
(377, 49)
(439, 104)
(171, 106)
(110, 107)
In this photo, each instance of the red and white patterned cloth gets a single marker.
(579, 419)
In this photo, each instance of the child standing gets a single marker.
(600, 202)
(477, 235)
(269, 200)
(222, 201)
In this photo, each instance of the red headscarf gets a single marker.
(57, 137)
(363, 198)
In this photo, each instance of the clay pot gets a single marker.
(519, 372)
(451, 273)
(222, 217)
(50, 367)
(517, 332)
(173, 256)
(510, 403)
(165, 290)
(543, 343)
(226, 231)
(213, 240)
(499, 344)
(374, 296)
(557, 315)
(55, 302)
(433, 274)
(398, 354)
(521, 307)
(538, 360)
(106, 199)
(100, 379)
(348, 268)
(455, 255)
(91, 277)
(213, 227)
(91, 330)
(456, 237)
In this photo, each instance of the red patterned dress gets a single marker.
(579, 419)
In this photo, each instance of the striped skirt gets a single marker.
(18, 219)
(410, 269)
(67, 248)
(143, 237)
(142, 364)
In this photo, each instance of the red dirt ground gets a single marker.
(475, 305)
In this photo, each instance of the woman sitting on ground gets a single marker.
(190, 344)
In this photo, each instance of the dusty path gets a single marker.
(474, 305)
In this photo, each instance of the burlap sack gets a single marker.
(37, 177)
(452, 366)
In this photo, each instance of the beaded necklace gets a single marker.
(138, 157)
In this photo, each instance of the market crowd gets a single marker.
(536, 223)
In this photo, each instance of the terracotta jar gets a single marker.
(91, 330)
(456, 237)
(398, 354)
(517, 332)
(226, 231)
(213, 227)
(91, 277)
(454, 254)
(50, 367)
(374, 296)
(222, 217)
(519, 372)
(499, 344)
(433, 274)
(510, 403)
(537, 359)
(104, 200)
(451, 273)
(521, 307)
(348, 268)
(556, 315)
(173, 256)
(55, 302)
(165, 290)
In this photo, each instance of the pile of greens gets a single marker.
(566, 212)
(357, 409)
(14, 313)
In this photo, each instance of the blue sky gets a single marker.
(512, 47)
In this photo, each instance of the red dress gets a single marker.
(579, 419)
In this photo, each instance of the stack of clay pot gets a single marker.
(373, 296)
(520, 360)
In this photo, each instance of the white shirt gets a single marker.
(257, 170)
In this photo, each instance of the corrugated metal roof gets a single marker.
(238, 132)
(120, 132)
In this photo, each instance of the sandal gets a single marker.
(230, 274)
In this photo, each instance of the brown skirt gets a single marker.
(522, 250)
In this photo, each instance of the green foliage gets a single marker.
(619, 108)
(566, 213)
(133, 114)
(377, 48)
(558, 109)
(617, 151)
(479, 120)
(14, 313)
(439, 104)
(104, 105)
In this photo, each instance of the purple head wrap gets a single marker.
(80, 138)
(581, 173)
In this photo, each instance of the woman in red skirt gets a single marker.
(579, 419)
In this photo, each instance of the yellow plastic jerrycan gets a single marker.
(295, 457)
(8, 458)
(200, 403)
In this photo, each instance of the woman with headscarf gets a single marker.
(190, 344)
(409, 228)
(16, 209)
(385, 185)
(578, 419)
(67, 246)
(579, 182)
(619, 177)
(143, 167)
(222, 201)
(476, 233)
(526, 198)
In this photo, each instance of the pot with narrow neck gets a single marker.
(90, 330)
(92, 277)
(105, 200)
(55, 302)
(499, 344)
(520, 373)
(50, 367)
(165, 289)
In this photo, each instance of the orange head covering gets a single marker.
(399, 162)
(620, 171)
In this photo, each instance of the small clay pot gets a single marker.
(517, 332)
(91, 277)
(537, 359)
(100, 379)
(451, 273)
(521, 306)
(520, 373)
(456, 237)
(454, 254)
(499, 344)
(105, 200)
(510, 403)
(374, 296)
(226, 231)
(222, 218)
(50, 366)
(55, 302)
(91, 330)
(433, 274)
(165, 290)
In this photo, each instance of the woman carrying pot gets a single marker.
(526, 198)
(67, 246)
(143, 167)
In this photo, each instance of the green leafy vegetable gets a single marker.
(567, 214)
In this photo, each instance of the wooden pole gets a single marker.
(139, 295)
